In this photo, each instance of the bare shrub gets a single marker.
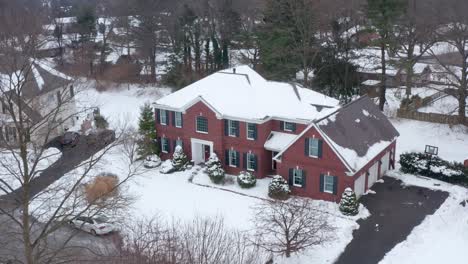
(102, 187)
(289, 227)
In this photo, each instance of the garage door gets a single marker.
(373, 175)
(385, 164)
(360, 185)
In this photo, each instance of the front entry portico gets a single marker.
(201, 150)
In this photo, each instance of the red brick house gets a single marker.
(273, 128)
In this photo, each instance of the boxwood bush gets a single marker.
(433, 167)
(246, 180)
(279, 188)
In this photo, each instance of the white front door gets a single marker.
(385, 164)
(360, 185)
(373, 175)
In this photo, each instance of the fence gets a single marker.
(428, 117)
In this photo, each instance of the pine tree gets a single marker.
(147, 144)
(215, 169)
(179, 159)
(348, 203)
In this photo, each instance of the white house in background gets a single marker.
(44, 89)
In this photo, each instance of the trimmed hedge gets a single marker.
(246, 180)
(433, 167)
(278, 188)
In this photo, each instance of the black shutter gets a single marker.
(335, 185)
(173, 118)
(236, 123)
(293, 127)
(244, 161)
(306, 148)
(291, 176)
(226, 157)
(168, 145)
(303, 179)
(255, 131)
(255, 163)
(168, 117)
(320, 147)
(322, 180)
(175, 144)
(281, 125)
(158, 116)
(159, 142)
(226, 127)
(237, 159)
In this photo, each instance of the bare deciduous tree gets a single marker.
(291, 226)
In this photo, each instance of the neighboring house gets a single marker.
(44, 89)
(274, 128)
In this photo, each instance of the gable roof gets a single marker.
(357, 132)
(242, 93)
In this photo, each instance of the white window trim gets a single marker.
(249, 155)
(294, 176)
(175, 118)
(230, 160)
(162, 145)
(161, 111)
(310, 149)
(284, 127)
(325, 184)
(247, 132)
(196, 126)
(230, 126)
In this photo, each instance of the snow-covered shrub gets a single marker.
(166, 167)
(152, 161)
(179, 159)
(246, 179)
(278, 188)
(433, 167)
(348, 203)
(214, 169)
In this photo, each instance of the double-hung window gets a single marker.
(328, 184)
(163, 117)
(202, 124)
(251, 131)
(313, 147)
(232, 129)
(298, 178)
(179, 143)
(178, 119)
(165, 145)
(290, 127)
(233, 158)
(251, 162)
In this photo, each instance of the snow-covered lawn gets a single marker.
(441, 237)
(415, 135)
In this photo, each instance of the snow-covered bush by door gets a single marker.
(246, 180)
(166, 167)
(433, 167)
(152, 161)
(179, 159)
(348, 203)
(278, 188)
(214, 169)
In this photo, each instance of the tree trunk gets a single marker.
(207, 56)
(153, 65)
(383, 84)
(462, 96)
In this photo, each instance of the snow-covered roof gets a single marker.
(278, 141)
(370, 82)
(241, 93)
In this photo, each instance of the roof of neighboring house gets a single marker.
(244, 94)
(277, 141)
(357, 132)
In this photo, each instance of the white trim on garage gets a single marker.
(360, 185)
(373, 174)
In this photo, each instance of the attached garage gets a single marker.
(373, 174)
(385, 164)
(360, 185)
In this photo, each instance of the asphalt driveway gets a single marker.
(395, 211)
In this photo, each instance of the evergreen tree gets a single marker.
(215, 170)
(86, 21)
(147, 144)
(179, 159)
(348, 203)
(383, 16)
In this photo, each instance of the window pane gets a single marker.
(288, 126)
(250, 161)
(162, 117)
(328, 184)
(179, 142)
(202, 124)
(178, 119)
(298, 177)
(251, 131)
(232, 158)
(313, 147)
(232, 128)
